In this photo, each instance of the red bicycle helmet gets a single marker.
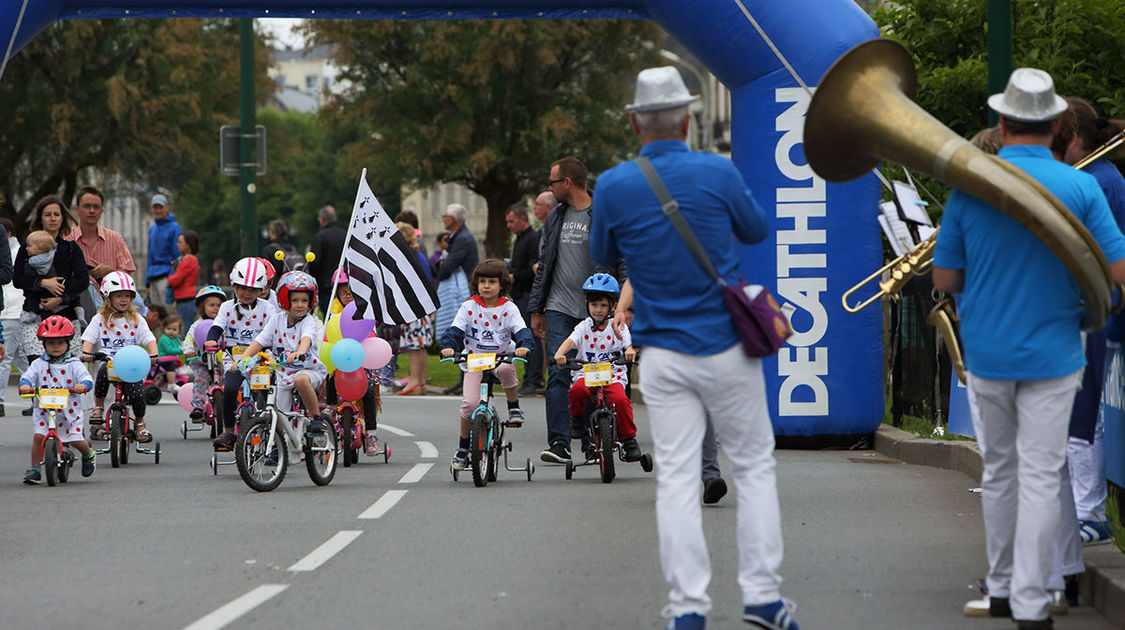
(55, 327)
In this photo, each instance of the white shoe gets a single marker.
(1058, 603)
(370, 444)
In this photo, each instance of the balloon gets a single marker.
(184, 395)
(351, 385)
(376, 353)
(326, 356)
(332, 330)
(131, 364)
(347, 355)
(357, 329)
(199, 333)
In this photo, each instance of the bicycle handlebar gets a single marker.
(501, 357)
(576, 364)
(101, 356)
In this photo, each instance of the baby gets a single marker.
(41, 250)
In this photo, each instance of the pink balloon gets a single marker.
(199, 333)
(376, 353)
(357, 329)
(184, 395)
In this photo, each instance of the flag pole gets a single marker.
(344, 251)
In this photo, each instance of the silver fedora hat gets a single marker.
(658, 89)
(1029, 97)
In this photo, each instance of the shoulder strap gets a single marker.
(672, 210)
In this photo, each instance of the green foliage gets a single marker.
(488, 104)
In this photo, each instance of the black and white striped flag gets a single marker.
(384, 273)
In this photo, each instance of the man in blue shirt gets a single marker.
(1020, 323)
(693, 363)
(162, 250)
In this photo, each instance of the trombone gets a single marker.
(902, 269)
(1105, 149)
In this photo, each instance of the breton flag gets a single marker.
(384, 273)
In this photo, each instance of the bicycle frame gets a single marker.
(64, 456)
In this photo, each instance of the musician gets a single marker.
(1020, 323)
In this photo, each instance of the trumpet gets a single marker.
(943, 316)
(914, 262)
(1105, 149)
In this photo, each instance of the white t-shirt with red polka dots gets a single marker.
(118, 333)
(241, 331)
(489, 329)
(70, 373)
(279, 337)
(600, 346)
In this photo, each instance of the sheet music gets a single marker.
(913, 208)
(926, 231)
(895, 228)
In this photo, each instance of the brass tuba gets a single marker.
(863, 113)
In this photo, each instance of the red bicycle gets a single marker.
(57, 455)
(118, 426)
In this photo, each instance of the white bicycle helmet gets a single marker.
(250, 272)
(118, 281)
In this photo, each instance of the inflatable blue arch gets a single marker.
(829, 380)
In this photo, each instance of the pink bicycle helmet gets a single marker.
(118, 281)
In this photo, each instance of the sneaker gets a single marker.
(632, 450)
(575, 428)
(225, 441)
(690, 621)
(558, 453)
(515, 418)
(775, 616)
(526, 391)
(196, 415)
(1059, 606)
(370, 444)
(1094, 533)
(28, 411)
(1, 411)
(591, 455)
(713, 490)
(460, 460)
(317, 424)
(89, 463)
(988, 607)
(31, 477)
(454, 390)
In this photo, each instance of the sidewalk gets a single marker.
(1103, 584)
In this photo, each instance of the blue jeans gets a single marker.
(559, 327)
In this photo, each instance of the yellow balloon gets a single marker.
(326, 356)
(332, 331)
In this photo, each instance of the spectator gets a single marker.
(693, 363)
(219, 276)
(327, 245)
(186, 276)
(10, 318)
(525, 253)
(162, 251)
(417, 335)
(557, 303)
(543, 204)
(407, 216)
(279, 241)
(454, 270)
(103, 249)
(442, 242)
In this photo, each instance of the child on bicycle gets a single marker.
(596, 342)
(57, 369)
(118, 324)
(168, 347)
(234, 327)
(294, 338)
(207, 302)
(487, 322)
(371, 396)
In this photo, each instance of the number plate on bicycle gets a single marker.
(238, 351)
(260, 377)
(111, 373)
(597, 374)
(481, 362)
(53, 398)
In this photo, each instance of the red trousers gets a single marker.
(615, 394)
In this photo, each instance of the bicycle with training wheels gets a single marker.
(212, 398)
(350, 431)
(58, 457)
(256, 385)
(273, 436)
(486, 430)
(119, 424)
(600, 424)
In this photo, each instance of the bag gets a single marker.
(761, 324)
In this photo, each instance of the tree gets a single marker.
(142, 98)
(488, 104)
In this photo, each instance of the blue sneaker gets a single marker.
(690, 621)
(775, 616)
(1094, 533)
(32, 477)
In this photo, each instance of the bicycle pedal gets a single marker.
(223, 449)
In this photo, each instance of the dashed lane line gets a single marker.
(429, 451)
(324, 553)
(385, 503)
(235, 609)
(414, 475)
(395, 430)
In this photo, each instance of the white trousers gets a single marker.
(680, 390)
(1023, 435)
(1087, 473)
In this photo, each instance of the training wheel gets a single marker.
(387, 454)
(530, 468)
(214, 465)
(646, 462)
(454, 471)
(569, 470)
(156, 454)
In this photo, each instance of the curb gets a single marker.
(1103, 583)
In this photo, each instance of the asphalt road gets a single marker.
(870, 542)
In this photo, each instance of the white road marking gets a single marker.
(429, 451)
(414, 475)
(395, 430)
(324, 553)
(238, 607)
(385, 503)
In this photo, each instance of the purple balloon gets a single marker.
(199, 333)
(357, 329)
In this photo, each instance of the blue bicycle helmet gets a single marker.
(601, 284)
(210, 290)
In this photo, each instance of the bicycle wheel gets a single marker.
(153, 395)
(346, 428)
(245, 418)
(607, 445)
(321, 455)
(494, 446)
(478, 447)
(51, 459)
(123, 443)
(216, 413)
(116, 435)
(258, 467)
